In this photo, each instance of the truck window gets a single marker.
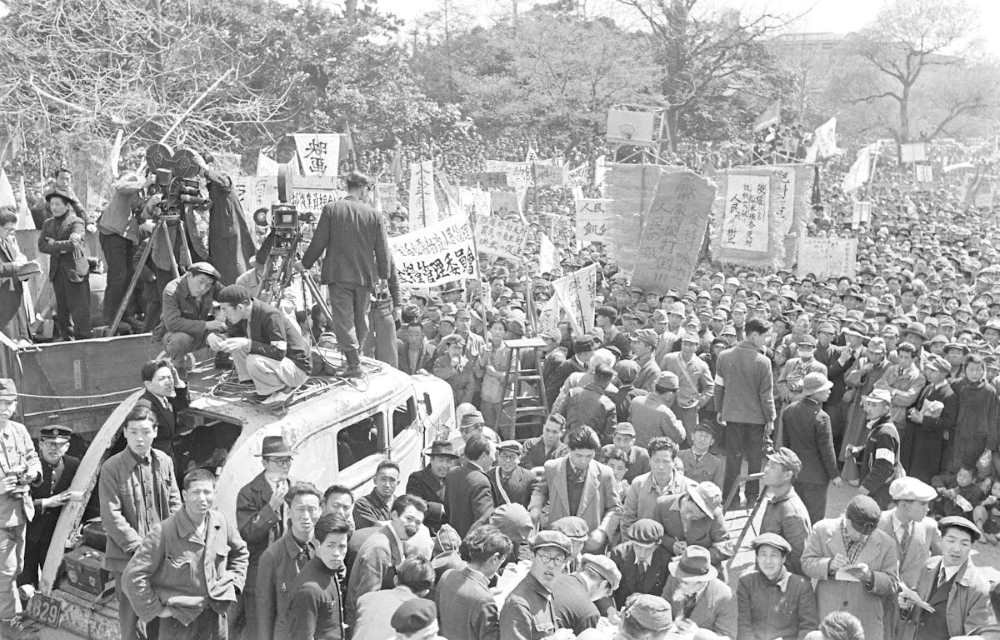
(403, 416)
(360, 440)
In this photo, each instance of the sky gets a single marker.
(837, 16)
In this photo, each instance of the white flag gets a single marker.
(860, 171)
(825, 140)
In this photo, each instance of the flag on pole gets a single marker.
(824, 142)
(860, 171)
(770, 116)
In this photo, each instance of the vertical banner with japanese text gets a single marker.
(575, 293)
(319, 153)
(746, 219)
(592, 223)
(434, 255)
(423, 205)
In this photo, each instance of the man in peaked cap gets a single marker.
(878, 458)
(182, 317)
(528, 611)
(644, 344)
(511, 482)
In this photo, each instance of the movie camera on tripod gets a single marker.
(177, 180)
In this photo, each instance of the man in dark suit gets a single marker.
(805, 429)
(428, 483)
(12, 265)
(230, 245)
(181, 319)
(50, 496)
(929, 427)
(468, 489)
(643, 561)
(62, 238)
(266, 346)
(583, 348)
(356, 265)
(261, 516)
(511, 482)
(548, 446)
(166, 395)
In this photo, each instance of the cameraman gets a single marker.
(230, 247)
(119, 237)
(19, 468)
(351, 234)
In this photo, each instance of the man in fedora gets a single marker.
(784, 512)
(805, 429)
(428, 483)
(878, 458)
(694, 518)
(700, 601)
(49, 497)
(262, 516)
(512, 483)
(955, 591)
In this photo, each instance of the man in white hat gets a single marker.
(878, 459)
(805, 429)
(916, 536)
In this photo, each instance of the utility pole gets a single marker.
(513, 14)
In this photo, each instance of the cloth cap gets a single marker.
(659, 315)
(706, 427)
(646, 531)
(552, 539)
(863, 513)
(511, 446)
(771, 540)
(8, 390)
(806, 341)
(647, 336)
(472, 419)
(649, 612)
(814, 383)
(571, 527)
(627, 371)
(962, 523)
(788, 459)
(826, 327)
(604, 567)
(937, 363)
(910, 488)
(513, 520)
(414, 615)
(625, 429)
(916, 328)
(205, 268)
(690, 336)
(667, 381)
(584, 343)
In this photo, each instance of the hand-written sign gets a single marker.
(592, 222)
(673, 232)
(783, 198)
(924, 173)
(518, 173)
(319, 153)
(575, 293)
(861, 213)
(489, 180)
(745, 222)
(387, 196)
(825, 257)
(440, 253)
(501, 237)
(423, 205)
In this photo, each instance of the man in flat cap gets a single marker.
(930, 422)
(182, 320)
(855, 564)
(528, 613)
(416, 619)
(784, 512)
(511, 482)
(49, 497)
(644, 346)
(696, 387)
(789, 383)
(642, 561)
(771, 602)
(878, 458)
(952, 594)
(643, 617)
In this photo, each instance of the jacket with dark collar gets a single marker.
(276, 573)
(254, 516)
(968, 609)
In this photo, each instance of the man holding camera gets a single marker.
(351, 234)
(19, 468)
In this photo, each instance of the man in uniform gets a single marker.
(511, 482)
(351, 234)
(49, 497)
(528, 614)
(879, 457)
(262, 516)
(784, 512)
(20, 468)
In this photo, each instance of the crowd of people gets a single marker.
(766, 390)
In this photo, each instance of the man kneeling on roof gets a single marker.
(267, 348)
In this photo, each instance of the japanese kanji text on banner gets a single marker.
(575, 294)
(745, 222)
(592, 222)
(440, 253)
(826, 257)
(319, 153)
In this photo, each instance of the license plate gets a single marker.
(45, 610)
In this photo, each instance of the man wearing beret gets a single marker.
(955, 591)
(643, 345)
(416, 619)
(930, 423)
(855, 564)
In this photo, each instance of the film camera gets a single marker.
(177, 180)
(21, 478)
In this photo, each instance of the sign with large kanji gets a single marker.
(443, 252)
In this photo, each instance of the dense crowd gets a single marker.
(766, 390)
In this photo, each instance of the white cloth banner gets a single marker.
(592, 222)
(861, 213)
(783, 198)
(576, 293)
(475, 202)
(434, 255)
(826, 257)
(547, 258)
(518, 173)
(746, 220)
(824, 142)
(319, 153)
(860, 171)
(266, 166)
(924, 173)
(423, 204)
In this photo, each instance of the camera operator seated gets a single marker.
(267, 348)
(185, 323)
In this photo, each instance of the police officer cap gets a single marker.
(771, 540)
(553, 540)
(204, 268)
(910, 488)
(413, 615)
(962, 523)
(511, 446)
(55, 433)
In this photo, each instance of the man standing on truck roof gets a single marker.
(137, 490)
(190, 568)
(19, 469)
(261, 516)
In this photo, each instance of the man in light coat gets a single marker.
(855, 564)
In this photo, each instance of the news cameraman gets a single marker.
(351, 234)
(230, 246)
(119, 236)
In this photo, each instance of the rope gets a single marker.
(96, 396)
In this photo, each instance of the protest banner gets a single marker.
(673, 232)
(255, 192)
(489, 180)
(826, 257)
(746, 220)
(501, 237)
(318, 153)
(423, 205)
(630, 189)
(575, 293)
(443, 252)
(924, 172)
(913, 152)
(592, 222)
(860, 171)
(547, 256)
(550, 174)
(825, 142)
(518, 173)
(861, 213)
(600, 171)
(475, 202)
(503, 203)
(387, 196)
(266, 166)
